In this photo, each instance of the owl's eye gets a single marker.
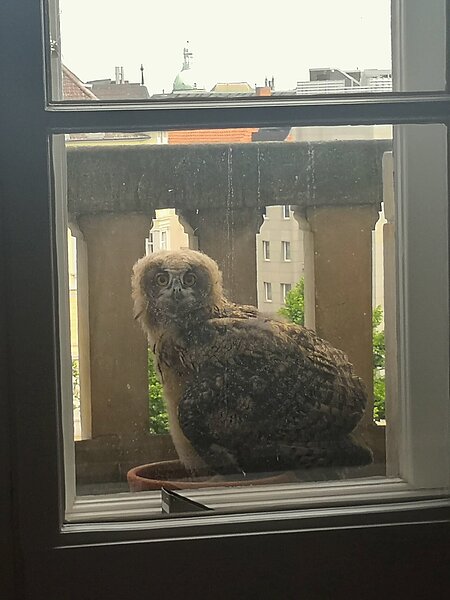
(189, 279)
(162, 279)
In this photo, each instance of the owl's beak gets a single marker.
(176, 288)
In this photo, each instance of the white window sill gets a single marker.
(291, 499)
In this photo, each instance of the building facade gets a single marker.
(280, 257)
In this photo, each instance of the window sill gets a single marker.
(377, 503)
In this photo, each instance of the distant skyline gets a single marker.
(236, 41)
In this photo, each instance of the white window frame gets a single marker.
(164, 240)
(149, 244)
(422, 235)
(286, 250)
(288, 211)
(416, 236)
(267, 291)
(266, 250)
(284, 290)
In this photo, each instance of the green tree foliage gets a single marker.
(159, 422)
(379, 354)
(294, 308)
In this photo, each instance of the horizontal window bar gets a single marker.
(384, 109)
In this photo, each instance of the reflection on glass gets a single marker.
(288, 48)
(323, 264)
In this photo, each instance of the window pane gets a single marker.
(268, 291)
(276, 50)
(285, 289)
(129, 196)
(286, 250)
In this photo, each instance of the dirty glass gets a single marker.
(107, 50)
(204, 370)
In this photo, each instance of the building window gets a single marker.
(285, 289)
(267, 291)
(286, 251)
(286, 211)
(149, 244)
(164, 243)
(266, 250)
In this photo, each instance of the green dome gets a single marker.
(187, 79)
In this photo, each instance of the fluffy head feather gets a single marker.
(174, 286)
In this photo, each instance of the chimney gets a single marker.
(263, 91)
(266, 89)
(120, 77)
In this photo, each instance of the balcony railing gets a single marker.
(220, 192)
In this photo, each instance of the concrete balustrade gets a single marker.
(221, 191)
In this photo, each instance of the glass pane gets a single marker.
(177, 50)
(201, 383)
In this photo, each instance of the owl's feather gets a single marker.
(245, 392)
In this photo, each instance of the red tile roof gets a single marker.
(212, 136)
(74, 88)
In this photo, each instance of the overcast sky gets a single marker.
(236, 40)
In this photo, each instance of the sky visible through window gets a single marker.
(231, 42)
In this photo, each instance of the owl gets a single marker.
(245, 393)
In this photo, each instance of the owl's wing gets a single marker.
(267, 395)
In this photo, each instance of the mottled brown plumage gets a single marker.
(244, 392)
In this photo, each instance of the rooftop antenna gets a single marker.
(142, 74)
(187, 55)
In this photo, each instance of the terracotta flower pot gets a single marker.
(171, 475)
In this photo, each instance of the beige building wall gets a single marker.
(276, 269)
(168, 233)
(341, 132)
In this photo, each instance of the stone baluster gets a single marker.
(340, 252)
(118, 348)
(228, 235)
